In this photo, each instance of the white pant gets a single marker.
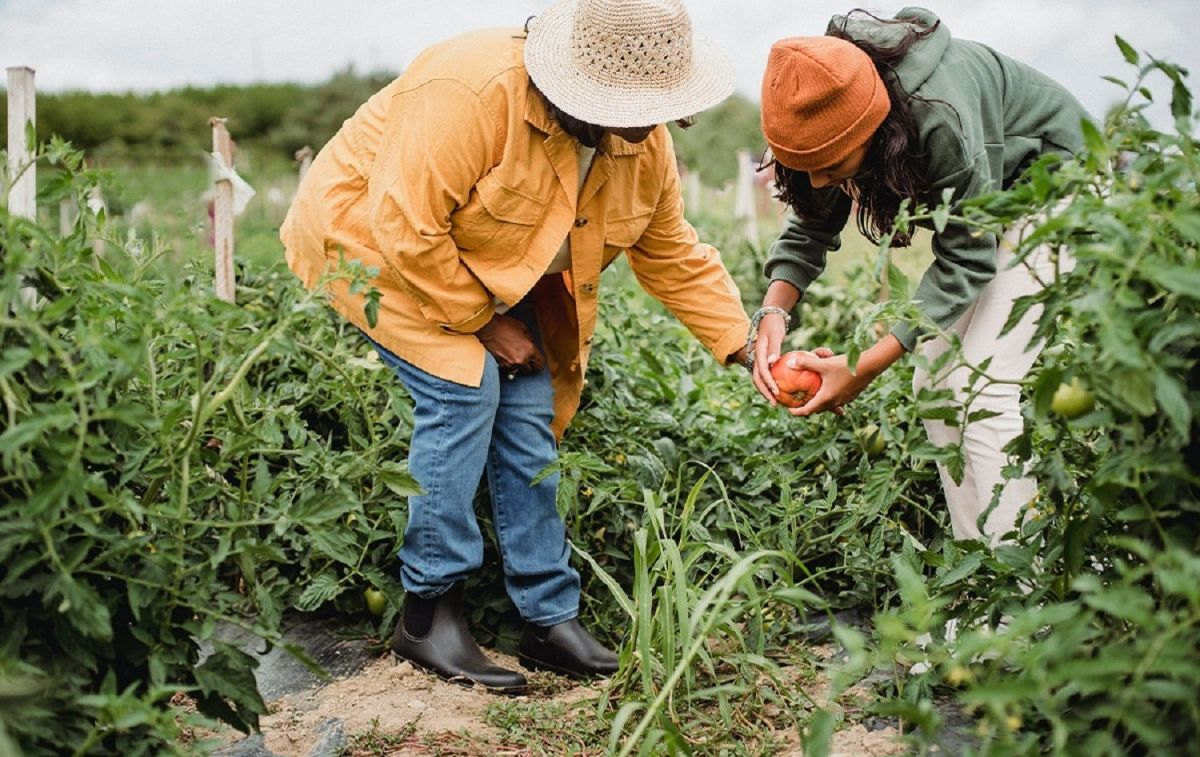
(1012, 357)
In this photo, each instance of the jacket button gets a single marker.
(588, 287)
(580, 222)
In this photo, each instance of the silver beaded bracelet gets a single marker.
(752, 337)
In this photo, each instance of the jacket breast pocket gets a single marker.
(496, 217)
(622, 233)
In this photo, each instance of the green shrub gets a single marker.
(171, 462)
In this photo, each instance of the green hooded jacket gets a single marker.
(982, 118)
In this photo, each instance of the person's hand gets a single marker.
(839, 386)
(771, 330)
(512, 345)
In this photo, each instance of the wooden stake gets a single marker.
(96, 205)
(744, 205)
(223, 214)
(691, 191)
(22, 116)
(304, 156)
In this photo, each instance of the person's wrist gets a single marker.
(770, 310)
(745, 357)
(755, 321)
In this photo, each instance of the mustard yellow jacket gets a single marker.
(456, 185)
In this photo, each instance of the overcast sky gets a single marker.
(117, 45)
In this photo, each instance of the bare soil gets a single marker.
(394, 709)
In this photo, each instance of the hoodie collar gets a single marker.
(924, 56)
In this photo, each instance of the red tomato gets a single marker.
(796, 385)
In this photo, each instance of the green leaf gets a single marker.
(228, 689)
(320, 507)
(1180, 279)
(83, 608)
(398, 480)
(819, 736)
(965, 568)
(941, 216)
(800, 598)
(1137, 389)
(25, 432)
(335, 543)
(371, 306)
(1093, 139)
(1186, 221)
(1127, 50)
(262, 479)
(1172, 398)
(1123, 602)
(898, 284)
(1181, 101)
(14, 359)
(321, 588)
(614, 588)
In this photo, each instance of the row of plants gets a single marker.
(171, 463)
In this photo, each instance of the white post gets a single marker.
(22, 116)
(691, 190)
(96, 204)
(223, 213)
(744, 206)
(304, 156)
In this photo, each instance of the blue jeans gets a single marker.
(503, 427)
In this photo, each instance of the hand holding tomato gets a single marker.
(837, 387)
(782, 384)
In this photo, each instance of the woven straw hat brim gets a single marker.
(549, 61)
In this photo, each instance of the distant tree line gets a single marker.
(285, 117)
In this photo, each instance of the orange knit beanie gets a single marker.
(821, 99)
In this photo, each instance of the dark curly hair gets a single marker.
(893, 169)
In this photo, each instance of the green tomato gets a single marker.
(376, 600)
(871, 440)
(1072, 400)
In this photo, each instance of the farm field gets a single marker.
(175, 469)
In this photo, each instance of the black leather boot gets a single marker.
(448, 649)
(567, 649)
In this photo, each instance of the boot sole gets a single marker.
(466, 683)
(529, 663)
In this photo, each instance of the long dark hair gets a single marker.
(893, 169)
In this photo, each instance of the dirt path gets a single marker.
(410, 712)
(388, 708)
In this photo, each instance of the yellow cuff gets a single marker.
(730, 342)
(471, 324)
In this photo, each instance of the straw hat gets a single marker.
(625, 63)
